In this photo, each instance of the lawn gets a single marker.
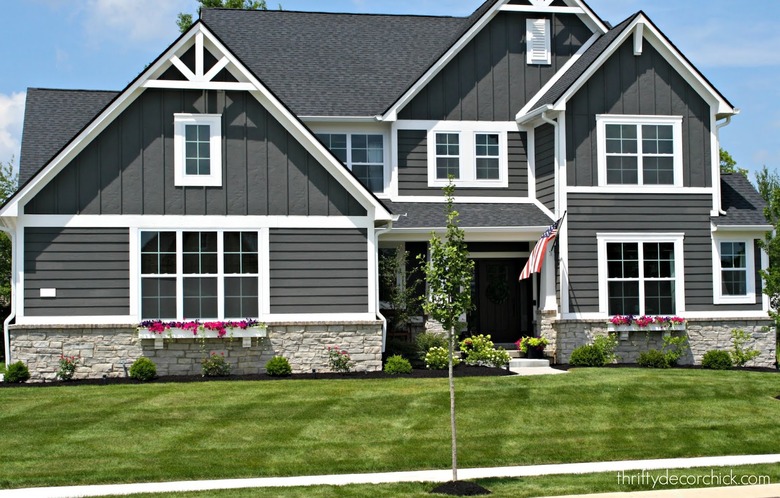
(159, 432)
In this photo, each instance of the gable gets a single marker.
(128, 168)
(489, 79)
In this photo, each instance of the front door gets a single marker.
(503, 305)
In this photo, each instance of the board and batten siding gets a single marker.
(319, 270)
(88, 267)
(589, 214)
(413, 167)
(544, 162)
(637, 85)
(129, 167)
(490, 80)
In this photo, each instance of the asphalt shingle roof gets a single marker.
(51, 119)
(433, 215)
(741, 201)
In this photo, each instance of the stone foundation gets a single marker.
(703, 335)
(109, 350)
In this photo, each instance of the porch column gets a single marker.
(548, 299)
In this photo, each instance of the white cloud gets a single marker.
(135, 21)
(11, 118)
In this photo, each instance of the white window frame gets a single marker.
(180, 176)
(467, 132)
(640, 238)
(220, 275)
(602, 120)
(349, 164)
(538, 52)
(750, 270)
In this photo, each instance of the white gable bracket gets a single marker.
(639, 31)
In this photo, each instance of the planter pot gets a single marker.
(535, 353)
(245, 335)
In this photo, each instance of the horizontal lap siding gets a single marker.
(592, 213)
(319, 271)
(545, 165)
(413, 167)
(88, 267)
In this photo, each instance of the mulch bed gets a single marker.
(460, 488)
(566, 366)
(459, 371)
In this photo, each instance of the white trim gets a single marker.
(538, 53)
(113, 320)
(758, 229)
(176, 333)
(199, 85)
(180, 176)
(499, 254)
(373, 270)
(764, 266)
(714, 315)
(542, 10)
(531, 157)
(508, 234)
(644, 189)
(462, 200)
(134, 272)
(602, 120)
(428, 125)
(638, 38)
(195, 222)
(717, 272)
(264, 261)
(641, 238)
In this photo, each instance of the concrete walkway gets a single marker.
(425, 475)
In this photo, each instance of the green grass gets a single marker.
(606, 482)
(159, 432)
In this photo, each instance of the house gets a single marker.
(257, 167)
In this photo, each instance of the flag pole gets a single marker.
(555, 243)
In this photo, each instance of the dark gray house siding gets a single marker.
(489, 80)
(88, 267)
(657, 213)
(319, 270)
(413, 167)
(544, 152)
(129, 168)
(645, 85)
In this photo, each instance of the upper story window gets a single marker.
(639, 150)
(640, 274)
(734, 270)
(197, 145)
(473, 157)
(363, 153)
(538, 41)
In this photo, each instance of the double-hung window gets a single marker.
(197, 147)
(734, 264)
(639, 150)
(640, 274)
(473, 158)
(195, 275)
(363, 153)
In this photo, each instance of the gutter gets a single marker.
(715, 186)
(12, 315)
(558, 179)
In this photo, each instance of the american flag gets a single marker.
(534, 264)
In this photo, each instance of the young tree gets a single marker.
(768, 183)
(8, 184)
(449, 274)
(402, 298)
(184, 21)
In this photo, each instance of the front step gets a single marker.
(526, 363)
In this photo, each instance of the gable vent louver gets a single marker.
(538, 41)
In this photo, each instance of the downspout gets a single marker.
(377, 233)
(6, 334)
(718, 126)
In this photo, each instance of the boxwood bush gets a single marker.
(278, 366)
(588, 355)
(143, 369)
(16, 373)
(653, 358)
(717, 360)
(397, 365)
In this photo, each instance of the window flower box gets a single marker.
(244, 329)
(624, 324)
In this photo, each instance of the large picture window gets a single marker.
(363, 153)
(196, 275)
(640, 150)
(640, 277)
(734, 270)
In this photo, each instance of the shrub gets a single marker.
(588, 355)
(339, 360)
(428, 340)
(215, 365)
(437, 358)
(653, 359)
(68, 366)
(278, 366)
(606, 345)
(16, 373)
(397, 365)
(480, 350)
(143, 369)
(717, 360)
(740, 355)
(673, 348)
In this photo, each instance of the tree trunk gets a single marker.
(452, 410)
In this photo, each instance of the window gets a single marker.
(363, 153)
(734, 271)
(475, 156)
(640, 150)
(197, 147)
(189, 275)
(641, 277)
(538, 41)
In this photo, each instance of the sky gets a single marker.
(104, 44)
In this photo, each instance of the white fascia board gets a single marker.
(463, 200)
(338, 119)
(757, 229)
(658, 41)
(392, 113)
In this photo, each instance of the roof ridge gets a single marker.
(361, 14)
(70, 90)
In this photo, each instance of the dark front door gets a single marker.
(503, 305)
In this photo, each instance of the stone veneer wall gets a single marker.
(703, 335)
(109, 350)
